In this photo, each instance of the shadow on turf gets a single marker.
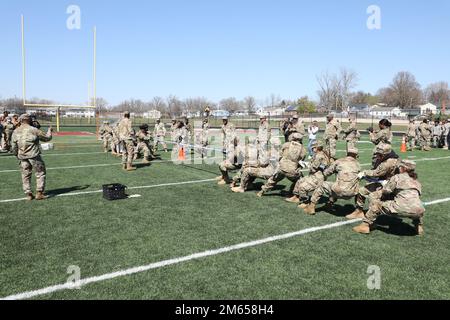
(58, 192)
(395, 226)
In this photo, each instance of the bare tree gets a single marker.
(348, 80)
(275, 100)
(437, 93)
(327, 86)
(230, 104)
(250, 104)
(174, 105)
(404, 91)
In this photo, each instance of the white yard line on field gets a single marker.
(101, 165)
(175, 261)
(72, 194)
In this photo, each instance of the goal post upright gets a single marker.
(58, 107)
(23, 61)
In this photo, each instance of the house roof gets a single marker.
(382, 109)
(360, 106)
(291, 108)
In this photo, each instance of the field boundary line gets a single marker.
(175, 261)
(72, 194)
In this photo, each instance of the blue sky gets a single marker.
(219, 48)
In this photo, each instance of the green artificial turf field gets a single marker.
(76, 227)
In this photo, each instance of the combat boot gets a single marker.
(357, 214)
(238, 190)
(124, 166)
(294, 199)
(310, 209)
(222, 182)
(130, 167)
(145, 161)
(419, 229)
(219, 178)
(363, 228)
(303, 206)
(41, 196)
(30, 196)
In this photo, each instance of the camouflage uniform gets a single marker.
(160, 135)
(411, 134)
(264, 136)
(144, 141)
(106, 134)
(447, 134)
(256, 166)
(115, 141)
(181, 136)
(291, 154)
(173, 129)
(234, 160)
(425, 132)
(306, 185)
(297, 127)
(347, 181)
(190, 137)
(331, 137)
(25, 145)
(438, 131)
(126, 138)
(406, 203)
(380, 139)
(383, 172)
(202, 140)
(352, 135)
(228, 134)
(8, 129)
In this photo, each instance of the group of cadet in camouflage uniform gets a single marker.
(427, 136)
(392, 187)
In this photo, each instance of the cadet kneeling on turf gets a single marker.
(385, 168)
(346, 185)
(25, 145)
(406, 191)
(319, 163)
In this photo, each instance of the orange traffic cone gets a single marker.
(182, 155)
(404, 148)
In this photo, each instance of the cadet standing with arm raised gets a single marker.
(26, 146)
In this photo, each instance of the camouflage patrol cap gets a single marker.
(225, 118)
(330, 116)
(384, 149)
(296, 137)
(295, 117)
(105, 122)
(24, 117)
(408, 164)
(353, 151)
(126, 113)
(317, 144)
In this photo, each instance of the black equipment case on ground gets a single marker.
(114, 192)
